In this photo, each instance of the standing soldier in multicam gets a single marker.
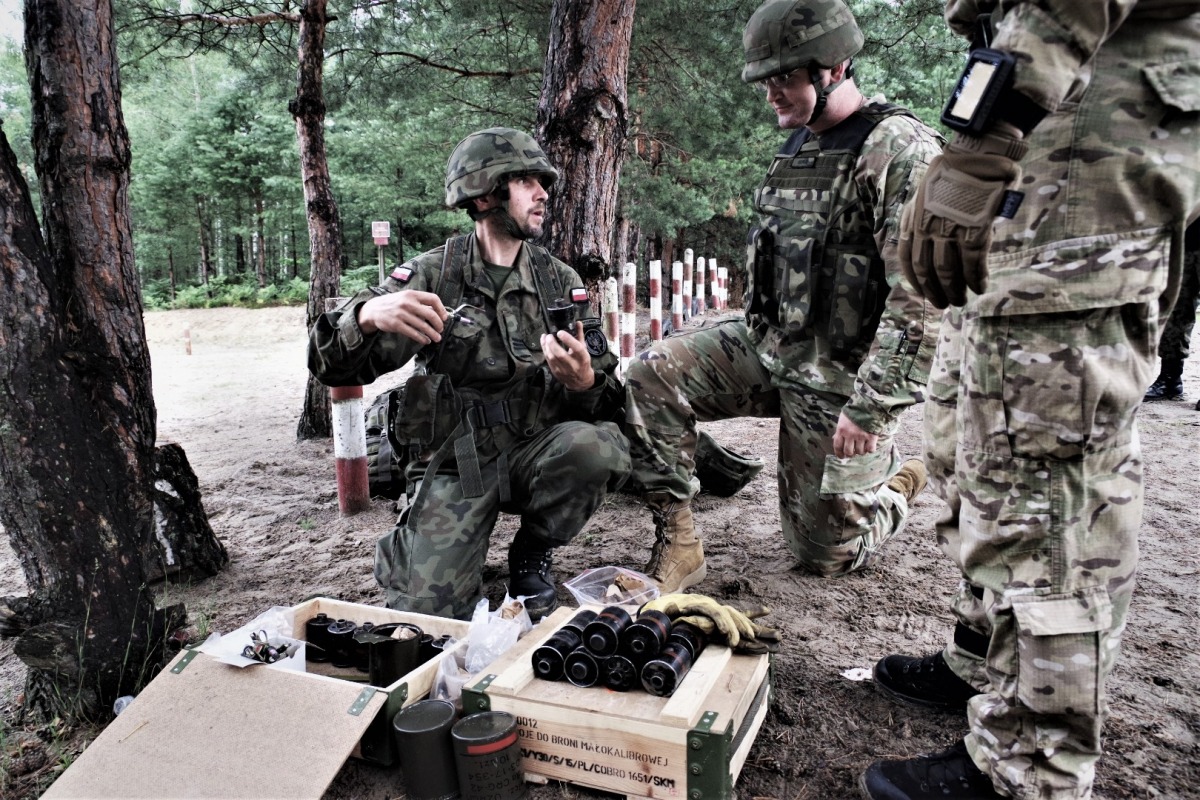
(824, 291)
(501, 413)
(1054, 224)
(1176, 343)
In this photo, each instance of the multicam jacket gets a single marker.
(1054, 40)
(825, 300)
(491, 356)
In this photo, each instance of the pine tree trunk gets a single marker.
(77, 417)
(324, 224)
(581, 123)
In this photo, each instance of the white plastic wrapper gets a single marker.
(493, 632)
(276, 623)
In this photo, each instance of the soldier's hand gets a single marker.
(568, 359)
(849, 440)
(946, 229)
(411, 313)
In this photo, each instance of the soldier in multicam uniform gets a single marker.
(824, 291)
(1176, 343)
(1054, 225)
(500, 414)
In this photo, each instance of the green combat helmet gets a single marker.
(784, 35)
(482, 160)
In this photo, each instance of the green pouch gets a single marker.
(427, 412)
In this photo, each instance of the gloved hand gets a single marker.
(946, 229)
(721, 623)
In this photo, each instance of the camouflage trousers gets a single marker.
(1030, 425)
(836, 513)
(1176, 342)
(432, 561)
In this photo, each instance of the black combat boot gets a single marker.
(927, 682)
(941, 776)
(1169, 383)
(529, 576)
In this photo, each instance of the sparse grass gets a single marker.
(307, 524)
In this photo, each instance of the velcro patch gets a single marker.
(578, 295)
(1010, 203)
(402, 274)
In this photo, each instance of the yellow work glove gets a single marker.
(721, 623)
(946, 229)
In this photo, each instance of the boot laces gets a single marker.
(529, 562)
(926, 664)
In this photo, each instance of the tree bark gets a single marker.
(181, 544)
(324, 223)
(581, 123)
(77, 417)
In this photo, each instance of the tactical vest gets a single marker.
(813, 267)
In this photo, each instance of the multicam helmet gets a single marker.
(482, 160)
(784, 35)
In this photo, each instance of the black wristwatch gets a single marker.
(984, 94)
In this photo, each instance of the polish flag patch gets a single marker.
(578, 295)
(402, 274)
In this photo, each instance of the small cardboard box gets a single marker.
(202, 728)
(689, 745)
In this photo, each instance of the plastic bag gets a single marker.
(276, 624)
(493, 632)
(612, 586)
(451, 675)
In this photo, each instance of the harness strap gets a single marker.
(545, 279)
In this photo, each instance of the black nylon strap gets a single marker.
(545, 278)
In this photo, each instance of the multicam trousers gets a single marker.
(836, 513)
(1030, 424)
(432, 561)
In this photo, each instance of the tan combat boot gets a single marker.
(677, 560)
(911, 479)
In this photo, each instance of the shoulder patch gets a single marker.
(402, 274)
(579, 294)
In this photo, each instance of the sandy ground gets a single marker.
(233, 405)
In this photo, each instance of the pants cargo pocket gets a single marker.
(1058, 639)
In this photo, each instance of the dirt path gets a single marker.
(233, 405)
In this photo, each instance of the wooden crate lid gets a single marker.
(217, 731)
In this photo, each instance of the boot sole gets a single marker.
(688, 581)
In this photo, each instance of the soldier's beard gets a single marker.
(513, 228)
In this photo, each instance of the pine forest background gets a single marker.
(218, 207)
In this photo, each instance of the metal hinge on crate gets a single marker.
(361, 701)
(183, 662)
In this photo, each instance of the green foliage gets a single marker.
(214, 146)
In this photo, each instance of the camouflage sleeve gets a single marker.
(893, 376)
(961, 15)
(340, 354)
(1052, 40)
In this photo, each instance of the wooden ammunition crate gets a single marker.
(690, 745)
(203, 728)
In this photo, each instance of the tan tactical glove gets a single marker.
(946, 229)
(721, 623)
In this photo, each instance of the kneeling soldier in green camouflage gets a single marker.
(833, 344)
(510, 409)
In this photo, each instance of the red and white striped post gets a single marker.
(655, 301)
(700, 307)
(687, 284)
(714, 285)
(349, 442)
(677, 295)
(350, 449)
(612, 315)
(723, 282)
(628, 313)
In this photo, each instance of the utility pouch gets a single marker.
(760, 256)
(856, 303)
(426, 414)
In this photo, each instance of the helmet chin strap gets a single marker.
(823, 92)
(506, 221)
